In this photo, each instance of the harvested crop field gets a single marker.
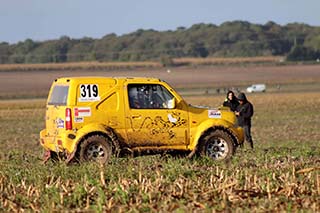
(282, 174)
(37, 83)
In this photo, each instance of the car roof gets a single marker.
(103, 78)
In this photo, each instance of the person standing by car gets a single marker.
(244, 112)
(231, 101)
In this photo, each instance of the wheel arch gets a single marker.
(106, 132)
(212, 129)
(219, 132)
(212, 125)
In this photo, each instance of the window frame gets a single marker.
(161, 91)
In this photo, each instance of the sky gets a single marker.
(42, 20)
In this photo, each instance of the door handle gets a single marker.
(135, 116)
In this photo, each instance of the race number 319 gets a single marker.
(89, 92)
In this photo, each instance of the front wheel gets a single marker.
(95, 148)
(217, 145)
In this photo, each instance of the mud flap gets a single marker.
(46, 156)
(70, 157)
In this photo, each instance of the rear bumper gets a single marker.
(50, 142)
(56, 143)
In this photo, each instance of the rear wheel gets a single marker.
(96, 148)
(217, 145)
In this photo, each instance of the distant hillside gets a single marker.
(230, 39)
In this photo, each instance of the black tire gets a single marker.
(96, 148)
(217, 145)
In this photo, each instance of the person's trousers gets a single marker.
(247, 133)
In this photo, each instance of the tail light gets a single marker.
(68, 119)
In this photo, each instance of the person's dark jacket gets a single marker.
(232, 104)
(246, 112)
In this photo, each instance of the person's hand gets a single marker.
(237, 113)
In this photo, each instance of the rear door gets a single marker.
(56, 109)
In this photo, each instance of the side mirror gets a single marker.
(171, 103)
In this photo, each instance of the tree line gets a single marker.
(297, 41)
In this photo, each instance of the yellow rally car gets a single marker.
(91, 118)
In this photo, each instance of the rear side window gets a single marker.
(59, 95)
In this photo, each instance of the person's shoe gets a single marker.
(251, 144)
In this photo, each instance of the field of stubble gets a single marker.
(30, 84)
(281, 174)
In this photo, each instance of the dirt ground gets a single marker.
(38, 82)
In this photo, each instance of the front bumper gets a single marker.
(240, 135)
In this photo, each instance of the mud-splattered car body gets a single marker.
(89, 118)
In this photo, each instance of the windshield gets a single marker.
(59, 95)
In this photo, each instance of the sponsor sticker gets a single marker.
(78, 119)
(60, 123)
(172, 119)
(82, 111)
(214, 114)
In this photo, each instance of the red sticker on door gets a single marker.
(82, 111)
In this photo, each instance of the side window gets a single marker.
(148, 96)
